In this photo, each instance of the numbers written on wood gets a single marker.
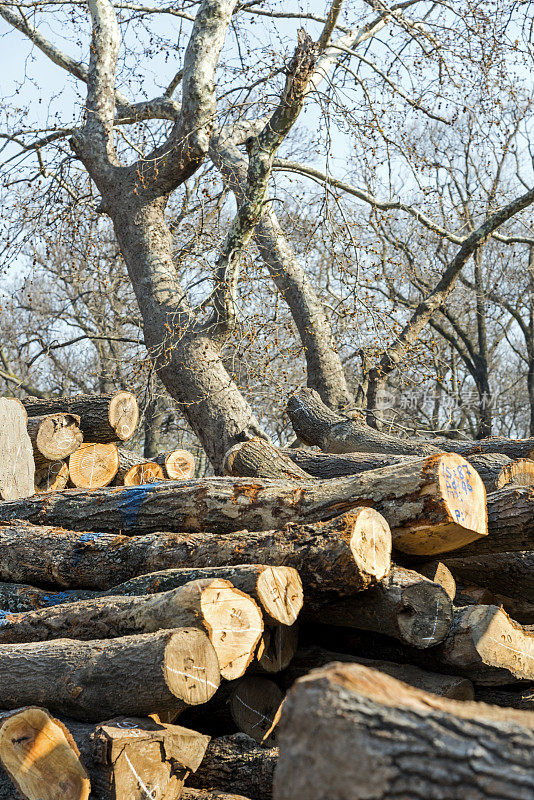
(458, 486)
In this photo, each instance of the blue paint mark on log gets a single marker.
(132, 502)
(56, 598)
(90, 536)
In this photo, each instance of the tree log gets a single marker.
(517, 473)
(177, 465)
(104, 418)
(437, 572)
(349, 732)
(151, 672)
(451, 686)
(237, 764)
(19, 597)
(132, 758)
(338, 465)
(40, 757)
(278, 590)
(277, 647)
(54, 437)
(510, 522)
(53, 477)
(434, 505)
(404, 605)
(93, 466)
(135, 470)
(344, 555)
(17, 467)
(519, 610)
(257, 458)
(489, 466)
(510, 574)
(231, 619)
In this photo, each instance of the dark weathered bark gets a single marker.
(17, 597)
(404, 605)
(510, 522)
(17, 467)
(103, 418)
(439, 573)
(54, 437)
(93, 466)
(344, 555)
(434, 504)
(350, 732)
(445, 685)
(278, 590)
(230, 618)
(521, 611)
(133, 758)
(336, 465)
(511, 574)
(152, 672)
(260, 459)
(237, 763)
(40, 758)
(522, 700)
(489, 467)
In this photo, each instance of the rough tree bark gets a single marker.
(511, 574)
(403, 739)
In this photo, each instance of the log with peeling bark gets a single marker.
(510, 574)
(434, 504)
(316, 424)
(135, 758)
(237, 764)
(134, 470)
(231, 619)
(141, 674)
(257, 458)
(351, 732)
(344, 555)
(18, 597)
(93, 466)
(521, 611)
(452, 686)
(104, 418)
(177, 465)
(54, 437)
(53, 477)
(277, 647)
(17, 467)
(278, 590)
(404, 605)
(40, 758)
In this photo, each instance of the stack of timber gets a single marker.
(321, 624)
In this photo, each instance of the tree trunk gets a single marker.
(40, 757)
(54, 437)
(53, 477)
(489, 466)
(152, 672)
(103, 418)
(93, 466)
(510, 522)
(404, 605)
(132, 758)
(278, 590)
(17, 597)
(435, 504)
(17, 467)
(511, 574)
(260, 459)
(231, 619)
(449, 686)
(177, 465)
(237, 763)
(521, 611)
(337, 465)
(349, 732)
(344, 555)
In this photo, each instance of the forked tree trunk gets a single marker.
(404, 605)
(17, 467)
(231, 619)
(350, 732)
(237, 764)
(54, 437)
(40, 757)
(152, 672)
(434, 504)
(133, 758)
(103, 418)
(342, 556)
(93, 466)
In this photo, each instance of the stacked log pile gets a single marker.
(315, 624)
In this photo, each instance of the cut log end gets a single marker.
(94, 466)
(370, 543)
(517, 473)
(425, 616)
(123, 415)
(277, 647)
(179, 465)
(190, 666)
(52, 477)
(235, 626)
(54, 436)
(458, 489)
(41, 758)
(147, 472)
(281, 594)
(254, 705)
